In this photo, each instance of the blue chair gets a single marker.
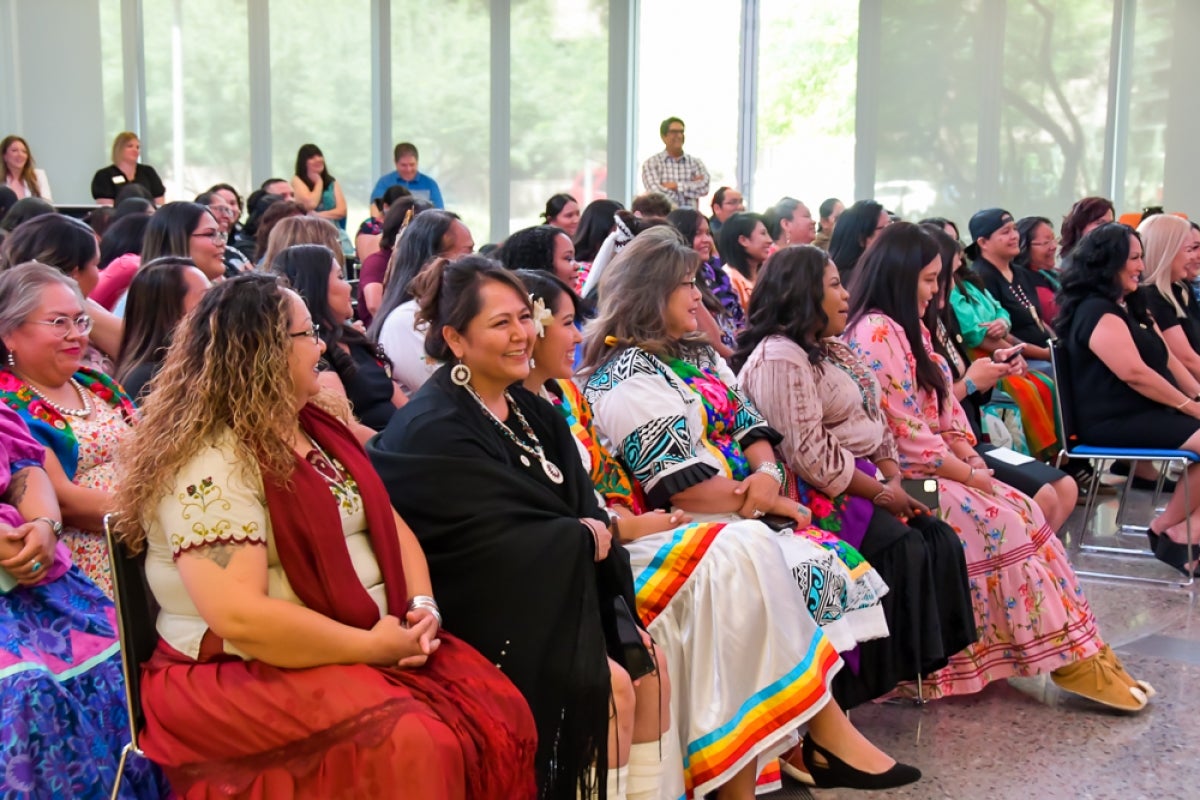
(137, 612)
(1098, 456)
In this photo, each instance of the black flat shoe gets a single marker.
(1176, 555)
(835, 772)
(1145, 484)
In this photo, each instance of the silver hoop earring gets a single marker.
(460, 374)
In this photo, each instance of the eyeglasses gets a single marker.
(675, 132)
(311, 333)
(63, 326)
(216, 237)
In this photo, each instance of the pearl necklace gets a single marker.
(66, 412)
(537, 451)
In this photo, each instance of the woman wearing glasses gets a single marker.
(77, 414)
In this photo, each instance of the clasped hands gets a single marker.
(23, 547)
(410, 644)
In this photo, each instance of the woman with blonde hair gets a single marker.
(284, 574)
(125, 169)
(1171, 252)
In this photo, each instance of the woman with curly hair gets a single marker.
(284, 574)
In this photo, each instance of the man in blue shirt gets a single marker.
(406, 175)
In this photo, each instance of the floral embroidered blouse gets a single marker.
(922, 429)
(212, 500)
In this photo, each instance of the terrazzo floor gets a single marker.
(1025, 740)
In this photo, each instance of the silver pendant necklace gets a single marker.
(537, 451)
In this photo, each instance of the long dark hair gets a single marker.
(555, 205)
(306, 268)
(854, 229)
(123, 237)
(306, 152)
(169, 232)
(595, 224)
(1091, 271)
(787, 300)
(153, 309)
(531, 248)
(1025, 228)
(420, 242)
(943, 312)
(887, 282)
(733, 253)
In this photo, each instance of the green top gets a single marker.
(974, 310)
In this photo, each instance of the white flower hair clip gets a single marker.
(542, 316)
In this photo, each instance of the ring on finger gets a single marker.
(37, 565)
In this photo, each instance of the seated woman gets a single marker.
(723, 317)
(21, 174)
(1053, 490)
(284, 575)
(745, 245)
(688, 617)
(161, 293)
(985, 327)
(366, 240)
(1138, 393)
(1171, 256)
(595, 224)
(1036, 251)
(492, 484)
(80, 416)
(1085, 216)
(361, 369)
(373, 268)
(994, 245)
(62, 702)
(432, 234)
(825, 403)
(1030, 611)
(562, 212)
(542, 247)
(317, 190)
(68, 244)
(857, 227)
(667, 406)
(125, 170)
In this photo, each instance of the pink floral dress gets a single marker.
(99, 436)
(1030, 610)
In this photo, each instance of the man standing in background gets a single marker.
(681, 177)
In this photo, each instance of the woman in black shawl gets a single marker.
(490, 480)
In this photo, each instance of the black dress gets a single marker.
(108, 181)
(1166, 316)
(1108, 411)
(369, 387)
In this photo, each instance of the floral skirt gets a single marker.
(62, 696)
(1030, 613)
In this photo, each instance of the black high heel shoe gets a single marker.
(835, 772)
(1175, 554)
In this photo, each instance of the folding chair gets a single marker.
(1065, 407)
(136, 614)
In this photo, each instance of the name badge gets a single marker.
(118, 179)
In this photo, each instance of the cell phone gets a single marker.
(923, 490)
(1014, 352)
(778, 522)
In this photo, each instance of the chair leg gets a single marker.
(125, 751)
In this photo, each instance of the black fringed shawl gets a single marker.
(512, 567)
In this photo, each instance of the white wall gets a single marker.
(50, 90)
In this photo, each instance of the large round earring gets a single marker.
(460, 374)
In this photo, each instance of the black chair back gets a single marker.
(137, 612)
(1064, 395)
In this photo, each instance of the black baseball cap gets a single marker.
(983, 225)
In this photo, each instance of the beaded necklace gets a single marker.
(81, 413)
(862, 378)
(537, 451)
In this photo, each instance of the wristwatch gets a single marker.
(55, 525)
